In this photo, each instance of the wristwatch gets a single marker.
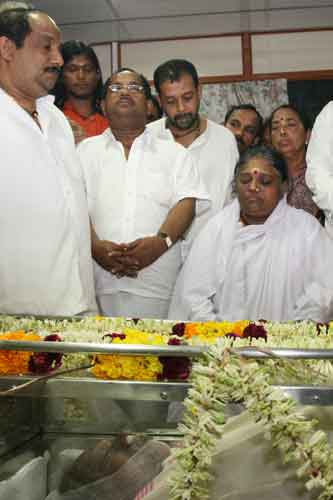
(166, 238)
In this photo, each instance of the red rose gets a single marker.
(45, 362)
(112, 336)
(178, 329)
(177, 368)
(253, 331)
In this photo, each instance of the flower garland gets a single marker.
(119, 367)
(210, 331)
(220, 377)
(302, 335)
(16, 362)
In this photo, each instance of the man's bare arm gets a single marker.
(147, 250)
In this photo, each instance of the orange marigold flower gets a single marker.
(210, 331)
(239, 327)
(16, 362)
(190, 329)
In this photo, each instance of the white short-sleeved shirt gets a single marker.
(215, 154)
(319, 158)
(45, 254)
(131, 198)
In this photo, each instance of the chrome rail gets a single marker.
(158, 350)
(79, 347)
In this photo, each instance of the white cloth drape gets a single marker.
(277, 271)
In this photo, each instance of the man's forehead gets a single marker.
(244, 115)
(125, 76)
(43, 24)
(184, 83)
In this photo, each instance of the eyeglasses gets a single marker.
(133, 88)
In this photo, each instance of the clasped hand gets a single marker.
(127, 259)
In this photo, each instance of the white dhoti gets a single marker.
(129, 305)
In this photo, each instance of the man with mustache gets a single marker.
(246, 123)
(141, 194)
(212, 146)
(45, 264)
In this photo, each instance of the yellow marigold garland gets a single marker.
(118, 367)
(210, 331)
(16, 362)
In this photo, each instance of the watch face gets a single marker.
(168, 241)
(166, 238)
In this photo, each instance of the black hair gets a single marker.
(276, 160)
(69, 50)
(172, 71)
(157, 105)
(143, 80)
(302, 115)
(14, 21)
(145, 83)
(247, 107)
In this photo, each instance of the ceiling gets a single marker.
(116, 20)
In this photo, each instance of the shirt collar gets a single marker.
(40, 101)
(165, 133)
(47, 99)
(110, 138)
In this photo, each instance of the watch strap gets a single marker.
(166, 238)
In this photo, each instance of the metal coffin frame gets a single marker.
(88, 406)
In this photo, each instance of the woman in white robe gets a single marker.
(258, 258)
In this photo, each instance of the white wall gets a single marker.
(97, 21)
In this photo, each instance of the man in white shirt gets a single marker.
(259, 258)
(211, 145)
(319, 160)
(141, 195)
(45, 254)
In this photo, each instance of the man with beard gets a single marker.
(79, 88)
(141, 195)
(212, 146)
(246, 123)
(45, 252)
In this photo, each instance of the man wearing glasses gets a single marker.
(142, 194)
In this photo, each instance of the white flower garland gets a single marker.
(220, 377)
